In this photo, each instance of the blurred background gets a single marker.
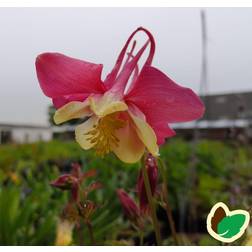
(208, 50)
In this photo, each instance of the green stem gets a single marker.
(167, 205)
(80, 235)
(141, 237)
(91, 234)
(152, 205)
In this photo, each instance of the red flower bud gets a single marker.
(152, 171)
(65, 182)
(129, 206)
(73, 181)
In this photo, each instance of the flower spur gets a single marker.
(120, 120)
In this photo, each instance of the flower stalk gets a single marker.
(141, 238)
(166, 201)
(91, 233)
(151, 205)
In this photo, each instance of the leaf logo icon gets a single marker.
(225, 225)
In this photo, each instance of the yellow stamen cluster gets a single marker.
(103, 134)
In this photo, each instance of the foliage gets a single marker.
(199, 175)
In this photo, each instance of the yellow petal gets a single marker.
(107, 104)
(83, 129)
(64, 233)
(248, 241)
(71, 110)
(130, 148)
(146, 134)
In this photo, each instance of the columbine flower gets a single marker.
(152, 172)
(122, 120)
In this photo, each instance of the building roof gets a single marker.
(213, 124)
(23, 126)
(228, 106)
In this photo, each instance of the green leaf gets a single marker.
(230, 226)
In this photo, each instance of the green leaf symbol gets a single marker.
(230, 226)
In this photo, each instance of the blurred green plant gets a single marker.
(27, 213)
(29, 207)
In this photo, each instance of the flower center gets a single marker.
(103, 134)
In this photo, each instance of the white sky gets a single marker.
(97, 35)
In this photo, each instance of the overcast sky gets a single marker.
(97, 35)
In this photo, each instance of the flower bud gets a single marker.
(129, 206)
(152, 172)
(65, 182)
